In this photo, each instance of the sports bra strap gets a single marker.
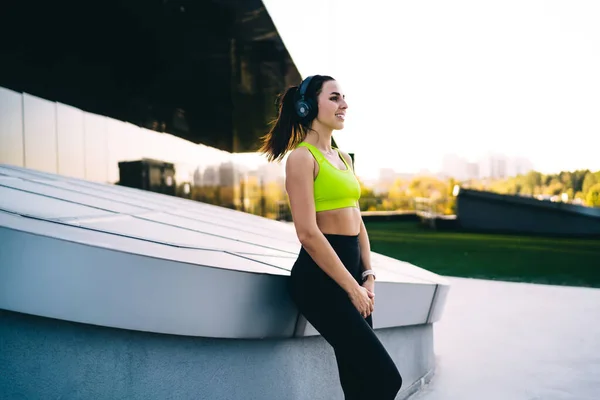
(342, 157)
(314, 151)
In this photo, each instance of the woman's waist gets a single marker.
(347, 247)
(342, 221)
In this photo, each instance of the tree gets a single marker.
(570, 193)
(590, 180)
(368, 200)
(577, 178)
(397, 195)
(593, 196)
(533, 180)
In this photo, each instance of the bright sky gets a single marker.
(520, 77)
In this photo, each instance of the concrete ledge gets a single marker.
(54, 359)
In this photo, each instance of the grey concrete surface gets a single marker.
(42, 358)
(515, 341)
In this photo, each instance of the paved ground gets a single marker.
(513, 341)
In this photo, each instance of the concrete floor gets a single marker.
(514, 341)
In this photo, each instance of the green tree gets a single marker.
(570, 193)
(592, 198)
(368, 200)
(590, 180)
(398, 197)
(577, 178)
(533, 180)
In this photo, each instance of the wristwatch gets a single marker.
(367, 273)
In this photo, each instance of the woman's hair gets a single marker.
(288, 129)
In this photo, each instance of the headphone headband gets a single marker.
(304, 87)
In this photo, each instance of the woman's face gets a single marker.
(332, 106)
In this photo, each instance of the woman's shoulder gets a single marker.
(300, 156)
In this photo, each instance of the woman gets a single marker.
(331, 282)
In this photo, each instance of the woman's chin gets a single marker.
(338, 126)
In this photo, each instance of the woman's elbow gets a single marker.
(306, 236)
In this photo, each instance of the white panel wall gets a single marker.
(118, 144)
(39, 129)
(152, 146)
(70, 134)
(96, 147)
(11, 128)
(136, 142)
(59, 138)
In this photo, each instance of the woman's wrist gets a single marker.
(368, 274)
(351, 286)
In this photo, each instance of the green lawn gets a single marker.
(556, 261)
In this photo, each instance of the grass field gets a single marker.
(556, 261)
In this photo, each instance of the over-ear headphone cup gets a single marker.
(305, 107)
(302, 109)
(312, 109)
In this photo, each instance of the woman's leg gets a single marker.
(366, 369)
(351, 381)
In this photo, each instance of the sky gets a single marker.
(469, 77)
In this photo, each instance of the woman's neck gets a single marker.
(320, 137)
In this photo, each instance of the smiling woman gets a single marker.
(332, 282)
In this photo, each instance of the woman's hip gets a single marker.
(346, 247)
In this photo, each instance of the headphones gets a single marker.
(305, 107)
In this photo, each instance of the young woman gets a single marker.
(332, 282)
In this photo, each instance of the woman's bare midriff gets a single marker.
(343, 221)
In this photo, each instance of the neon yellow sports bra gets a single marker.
(334, 188)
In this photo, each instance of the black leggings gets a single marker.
(366, 370)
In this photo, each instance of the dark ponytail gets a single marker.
(286, 131)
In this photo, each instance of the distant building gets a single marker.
(228, 174)
(472, 170)
(493, 212)
(493, 166)
(210, 177)
(520, 166)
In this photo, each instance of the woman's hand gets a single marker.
(369, 284)
(361, 297)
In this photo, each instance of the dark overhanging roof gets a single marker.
(206, 71)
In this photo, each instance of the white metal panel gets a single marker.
(39, 129)
(75, 234)
(70, 142)
(119, 141)
(11, 128)
(225, 231)
(96, 147)
(82, 198)
(282, 262)
(58, 279)
(24, 203)
(149, 230)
